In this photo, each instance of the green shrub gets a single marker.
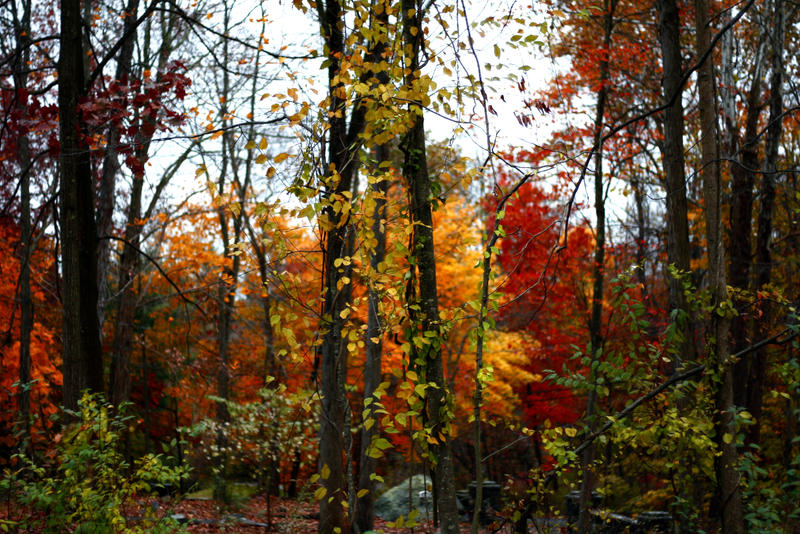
(88, 483)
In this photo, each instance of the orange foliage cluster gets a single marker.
(45, 346)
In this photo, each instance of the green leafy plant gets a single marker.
(262, 437)
(89, 484)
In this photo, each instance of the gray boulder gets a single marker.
(394, 502)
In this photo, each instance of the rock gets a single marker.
(394, 502)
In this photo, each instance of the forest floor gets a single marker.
(209, 516)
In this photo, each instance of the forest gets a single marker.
(265, 262)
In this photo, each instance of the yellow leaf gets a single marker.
(281, 157)
(326, 472)
(362, 492)
(261, 158)
(250, 145)
(320, 493)
(263, 144)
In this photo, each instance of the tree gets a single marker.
(424, 303)
(674, 173)
(729, 495)
(83, 360)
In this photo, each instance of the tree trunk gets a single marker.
(596, 319)
(374, 349)
(130, 262)
(22, 26)
(415, 172)
(730, 502)
(332, 356)
(83, 364)
(741, 209)
(677, 211)
(766, 195)
(111, 166)
(344, 141)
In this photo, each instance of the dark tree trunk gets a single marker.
(22, 27)
(415, 172)
(730, 501)
(126, 312)
(675, 179)
(741, 209)
(766, 195)
(83, 363)
(111, 166)
(596, 318)
(344, 141)
(374, 349)
(230, 224)
(332, 357)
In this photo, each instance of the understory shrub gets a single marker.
(85, 484)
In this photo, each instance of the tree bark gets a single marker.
(741, 209)
(364, 520)
(83, 364)
(675, 179)
(22, 26)
(730, 502)
(415, 172)
(130, 262)
(766, 195)
(596, 319)
(342, 148)
(111, 166)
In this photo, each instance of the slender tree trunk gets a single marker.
(374, 349)
(766, 194)
(741, 209)
(415, 172)
(83, 364)
(596, 319)
(130, 262)
(677, 210)
(731, 512)
(22, 26)
(641, 231)
(230, 231)
(126, 313)
(332, 356)
(111, 166)
(343, 141)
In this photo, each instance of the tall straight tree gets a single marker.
(343, 143)
(111, 165)
(379, 188)
(729, 495)
(415, 172)
(22, 25)
(596, 319)
(675, 177)
(766, 195)
(83, 363)
(130, 261)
